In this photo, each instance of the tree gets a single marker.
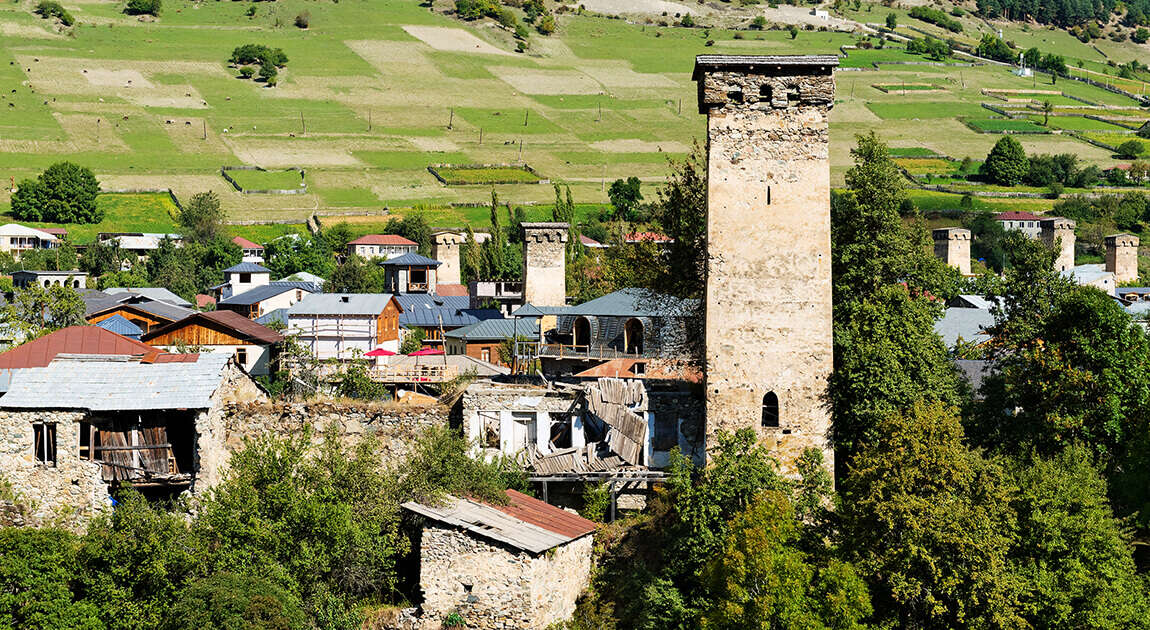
(762, 580)
(625, 196)
(546, 25)
(36, 311)
(792, 30)
(413, 226)
(100, 258)
(52, 9)
(681, 212)
(233, 601)
(891, 21)
(759, 23)
(63, 193)
(1006, 164)
(1032, 57)
(413, 341)
(1130, 149)
(355, 275)
(201, 218)
(143, 7)
(1141, 35)
(1055, 65)
(1047, 108)
(294, 253)
(37, 572)
(930, 525)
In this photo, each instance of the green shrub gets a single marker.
(52, 9)
(233, 601)
(258, 54)
(303, 19)
(247, 72)
(936, 17)
(63, 193)
(1130, 149)
(37, 568)
(1140, 36)
(546, 25)
(687, 20)
(143, 7)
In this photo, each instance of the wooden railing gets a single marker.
(429, 373)
(417, 287)
(565, 350)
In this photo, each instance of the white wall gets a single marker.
(258, 357)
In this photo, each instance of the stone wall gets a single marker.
(497, 587)
(445, 249)
(73, 488)
(545, 263)
(1059, 233)
(952, 246)
(1122, 257)
(768, 287)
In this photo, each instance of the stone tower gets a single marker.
(768, 296)
(545, 263)
(1122, 257)
(445, 249)
(952, 246)
(1060, 230)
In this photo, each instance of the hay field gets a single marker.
(375, 91)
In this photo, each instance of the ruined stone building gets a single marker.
(519, 565)
(768, 277)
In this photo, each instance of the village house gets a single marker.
(86, 340)
(345, 325)
(152, 293)
(386, 246)
(242, 277)
(433, 314)
(140, 310)
(252, 252)
(141, 244)
(226, 332)
(410, 273)
(16, 239)
(74, 279)
(273, 296)
(1026, 222)
(520, 565)
(121, 326)
(74, 430)
(482, 340)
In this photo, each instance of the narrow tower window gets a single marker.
(765, 92)
(768, 195)
(770, 410)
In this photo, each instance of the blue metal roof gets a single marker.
(423, 309)
(278, 316)
(121, 326)
(635, 303)
(247, 267)
(413, 260)
(496, 329)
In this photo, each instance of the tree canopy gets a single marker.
(63, 193)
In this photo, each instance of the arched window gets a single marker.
(770, 410)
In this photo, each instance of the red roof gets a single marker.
(202, 301)
(589, 242)
(237, 324)
(545, 515)
(383, 239)
(246, 244)
(1014, 215)
(83, 340)
(55, 231)
(451, 289)
(654, 237)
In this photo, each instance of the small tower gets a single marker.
(1122, 257)
(952, 246)
(768, 346)
(445, 249)
(545, 263)
(1059, 232)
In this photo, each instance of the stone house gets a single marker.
(627, 323)
(74, 430)
(520, 565)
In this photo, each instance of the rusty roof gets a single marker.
(542, 514)
(451, 290)
(87, 340)
(235, 323)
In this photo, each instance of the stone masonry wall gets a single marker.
(1060, 233)
(768, 293)
(496, 587)
(952, 246)
(1122, 257)
(544, 263)
(445, 249)
(72, 489)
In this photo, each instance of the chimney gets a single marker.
(545, 263)
(1122, 257)
(1059, 232)
(952, 246)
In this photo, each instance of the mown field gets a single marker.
(374, 92)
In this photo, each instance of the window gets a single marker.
(764, 92)
(485, 354)
(44, 438)
(770, 410)
(665, 435)
(245, 278)
(242, 356)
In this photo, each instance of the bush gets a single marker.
(52, 9)
(687, 21)
(142, 7)
(247, 72)
(793, 31)
(891, 21)
(37, 567)
(546, 25)
(303, 19)
(936, 17)
(1006, 164)
(1140, 36)
(63, 193)
(233, 601)
(759, 23)
(268, 72)
(1130, 149)
(258, 54)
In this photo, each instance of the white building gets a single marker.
(384, 246)
(16, 239)
(344, 325)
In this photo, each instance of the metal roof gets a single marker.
(246, 244)
(278, 316)
(266, 292)
(383, 239)
(635, 303)
(413, 260)
(968, 324)
(117, 384)
(155, 308)
(247, 267)
(121, 326)
(423, 309)
(720, 62)
(237, 325)
(525, 523)
(303, 276)
(15, 229)
(154, 293)
(71, 340)
(496, 329)
(341, 304)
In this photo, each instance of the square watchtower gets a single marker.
(768, 347)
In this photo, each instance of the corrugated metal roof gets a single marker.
(280, 316)
(413, 260)
(71, 340)
(155, 308)
(104, 384)
(422, 309)
(526, 523)
(968, 324)
(496, 329)
(341, 304)
(236, 324)
(246, 244)
(121, 326)
(635, 303)
(247, 267)
(450, 290)
(154, 293)
(267, 292)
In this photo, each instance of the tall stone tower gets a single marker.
(445, 249)
(545, 263)
(1059, 230)
(1122, 257)
(768, 295)
(952, 246)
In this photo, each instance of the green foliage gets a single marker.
(1140, 36)
(52, 9)
(1006, 164)
(759, 23)
(37, 573)
(36, 311)
(193, 268)
(625, 196)
(303, 19)
(596, 502)
(891, 21)
(143, 7)
(234, 601)
(936, 17)
(546, 25)
(992, 47)
(1063, 169)
(202, 219)
(680, 211)
(258, 54)
(987, 239)
(354, 381)
(287, 255)
(413, 226)
(1130, 149)
(792, 30)
(63, 193)
(687, 21)
(355, 275)
(929, 524)
(413, 341)
(439, 463)
(932, 47)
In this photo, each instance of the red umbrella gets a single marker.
(379, 352)
(425, 351)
